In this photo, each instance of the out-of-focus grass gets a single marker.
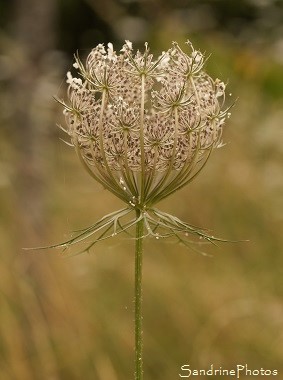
(72, 318)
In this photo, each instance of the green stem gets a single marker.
(138, 299)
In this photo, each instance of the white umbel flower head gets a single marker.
(148, 124)
(144, 127)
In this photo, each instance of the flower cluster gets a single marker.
(144, 127)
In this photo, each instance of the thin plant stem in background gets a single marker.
(143, 128)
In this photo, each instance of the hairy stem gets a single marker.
(138, 299)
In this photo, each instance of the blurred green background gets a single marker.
(72, 318)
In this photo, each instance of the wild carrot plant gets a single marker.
(143, 128)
